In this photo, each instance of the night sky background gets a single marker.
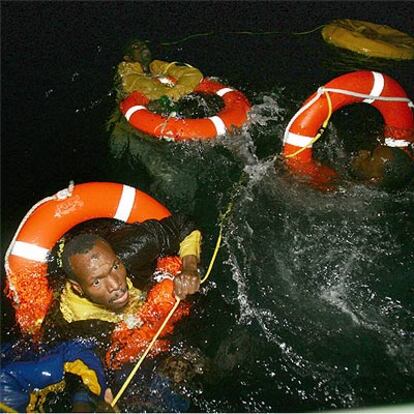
(58, 60)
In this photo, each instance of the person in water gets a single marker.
(107, 271)
(107, 268)
(172, 171)
(386, 167)
(70, 371)
(138, 72)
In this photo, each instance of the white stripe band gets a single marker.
(391, 142)
(218, 124)
(377, 87)
(30, 251)
(132, 110)
(298, 140)
(125, 203)
(223, 91)
(165, 81)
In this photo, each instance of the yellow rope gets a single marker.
(5, 408)
(319, 134)
(177, 302)
(186, 38)
(168, 67)
(138, 364)
(218, 243)
(241, 33)
(174, 63)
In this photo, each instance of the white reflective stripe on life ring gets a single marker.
(132, 110)
(377, 87)
(218, 124)
(223, 91)
(400, 143)
(30, 251)
(126, 203)
(298, 140)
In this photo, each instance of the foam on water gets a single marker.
(312, 271)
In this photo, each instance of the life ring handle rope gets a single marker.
(174, 63)
(366, 96)
(325, 124)
(233, 115)
(323, 90)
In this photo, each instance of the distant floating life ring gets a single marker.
(233, 115)
(27, 257)
(369, 39)
(376, 89)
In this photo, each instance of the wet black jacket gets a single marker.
(138, 245)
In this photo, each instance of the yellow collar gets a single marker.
(76, 308)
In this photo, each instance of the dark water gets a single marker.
(310, 304)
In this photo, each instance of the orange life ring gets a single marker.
(377, 89)
(47, 221)
(127, 344)
(234, 114)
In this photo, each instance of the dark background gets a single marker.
(58, 62)
(58, 57)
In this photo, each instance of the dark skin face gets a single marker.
(101, 277)
(370, 166)
(139, 52)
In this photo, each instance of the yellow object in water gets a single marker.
(369, 39)
(133, 78)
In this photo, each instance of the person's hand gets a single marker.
(370, 166)
(162, 105)
(188, 281)
(105, 405)
(361, 157)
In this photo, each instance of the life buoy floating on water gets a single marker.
(369, 39)
(376, 89)
(233, 115)
(47, 221)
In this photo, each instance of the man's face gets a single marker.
(370, 166)
(139, 52)
(101, 276)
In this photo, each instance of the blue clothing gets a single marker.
(151, 391)
(20, 379)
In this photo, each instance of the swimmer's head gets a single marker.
(95, 272)
(138, 51)
(184, 367)
(389, 168)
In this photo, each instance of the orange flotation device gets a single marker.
(306, 126)
(233, 115)
(46, 222)
(128, 343)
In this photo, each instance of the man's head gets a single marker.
(95, 271)
(138, 51)
(391, 168)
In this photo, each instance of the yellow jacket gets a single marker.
(76, 308)
(133, 78)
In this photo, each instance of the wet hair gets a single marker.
(399, 172)
(80, 244)
(129, 49)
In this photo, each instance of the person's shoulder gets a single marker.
(125, 68)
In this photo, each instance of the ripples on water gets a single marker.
(309, 306)
(322, 285)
